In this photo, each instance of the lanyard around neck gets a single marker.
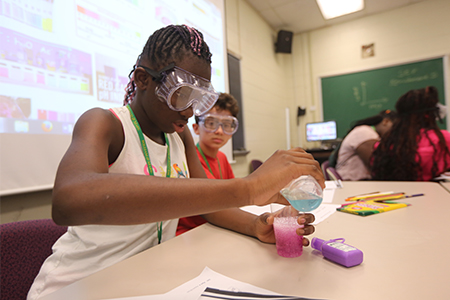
(144, 145)
(147, 158)
(207, 163)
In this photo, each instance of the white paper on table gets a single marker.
(193, 289)
(327, 195)
(330, 184)
(321, 213)
(444, 176)
(333, 184)
(324, 211)
(208, 278)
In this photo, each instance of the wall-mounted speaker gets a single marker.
(284, 42)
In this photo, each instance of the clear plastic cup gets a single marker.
(304, 193)
(288, 242)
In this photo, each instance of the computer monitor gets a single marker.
(321, 131)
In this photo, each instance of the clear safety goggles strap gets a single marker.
(158, 76)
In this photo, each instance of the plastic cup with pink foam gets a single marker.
(304, 194)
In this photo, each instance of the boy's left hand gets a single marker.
(265, 232)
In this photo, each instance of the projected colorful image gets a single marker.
(16, 116)
(165, 15)
(37, 13)
(102, 26)
(60, 58)
(18, 108)
(29, 61)
(111, 79)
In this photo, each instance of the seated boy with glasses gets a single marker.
(214, 129)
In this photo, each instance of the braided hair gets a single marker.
(370, 121)
(396, 157)
(375, 120)
(166, 45)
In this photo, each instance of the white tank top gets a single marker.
(87, 249)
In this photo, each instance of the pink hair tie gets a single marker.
(195, 40)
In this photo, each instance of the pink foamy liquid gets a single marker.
(289, 244)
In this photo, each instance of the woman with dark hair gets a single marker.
(354, 153)
(415, 149)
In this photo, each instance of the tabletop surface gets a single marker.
(406, 256)
(446, 185)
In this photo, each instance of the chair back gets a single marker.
(325, 165)
(330, 173)
(333, 174)
(254, 164)
(24, 246)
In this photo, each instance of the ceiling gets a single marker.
(304, 15)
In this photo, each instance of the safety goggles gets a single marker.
(180, 89)
(212, 122)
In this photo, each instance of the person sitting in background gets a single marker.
(214, 129)
(355, 150)
(415, 149)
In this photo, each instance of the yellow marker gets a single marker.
(363, 197)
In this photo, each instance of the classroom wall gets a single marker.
(267, 85)
(415, 32)
(28, 206)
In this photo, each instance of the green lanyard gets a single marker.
(206, 161)
(147, 158)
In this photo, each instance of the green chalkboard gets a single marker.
(350, 97)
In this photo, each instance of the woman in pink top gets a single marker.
(415, 149)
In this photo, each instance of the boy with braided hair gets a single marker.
(125, 179)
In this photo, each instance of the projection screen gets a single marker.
(59, 58)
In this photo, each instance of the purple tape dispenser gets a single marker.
(335, 250)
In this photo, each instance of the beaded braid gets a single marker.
(130, 89)
(169, 44)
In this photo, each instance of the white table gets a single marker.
(445, 185)
(406, 256)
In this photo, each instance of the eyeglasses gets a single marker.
(180, 89)
(212, 122)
